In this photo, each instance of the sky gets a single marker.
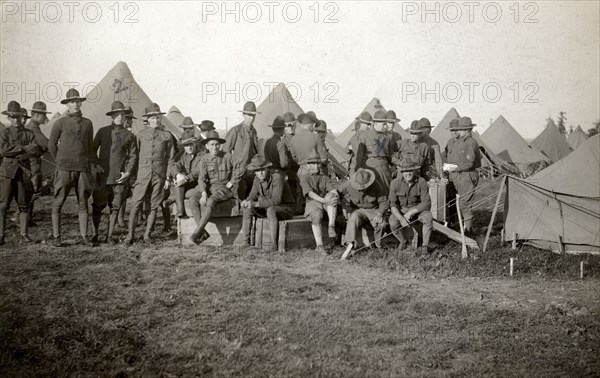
(525, 60)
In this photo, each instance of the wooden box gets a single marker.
(224, 227)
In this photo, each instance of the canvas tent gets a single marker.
(559, 207)
(552, 143)
(174, 115)
(502, 138)
(278, 102)
(373, 106)
(489, 159)
(577, 138)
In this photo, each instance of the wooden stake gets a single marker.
(462, 229)
(512, 261)
(489, 230)
(581, 270)
(514, 242)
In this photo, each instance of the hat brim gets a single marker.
(277, 126)
(248, 112)
(313, 161)
(251, 167)
(415, 131)
(148, 115)
(395, 120)
(11, 114)
(358, 186)
(461, 128)
(116, 111)
(380, 120)
(363, 121)
(205, 129)
(40, 111)
(204, 141)
(67, 100)
(409, 169)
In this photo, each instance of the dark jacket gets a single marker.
(118, 152)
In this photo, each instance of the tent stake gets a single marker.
(511, 266)
(514, 242)
(581, 270)
(489, 230)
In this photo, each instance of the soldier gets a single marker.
(379, 149)
(270, 197)
(117, 156)
(129, 117)
(242, 142)
(185, 180)
(204, 127)
(321, 198)
(71, 146)
(289, 132)
(217, 174)
(38, 117)
(366, 203)
(409, 197)
(362, 123)
(275, 149)
(425, 125)
(157, 149)
(463, 156)
(414, 150)
(392, 120)
(325, 168)
(17, 146)
(188, 127)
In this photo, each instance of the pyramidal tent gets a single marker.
(559, 207)
(175, 116)
(502, 138)
(552, 143)
(488, 158)
(577, 138)
(373, 106)
(119, 85)
(278, 102)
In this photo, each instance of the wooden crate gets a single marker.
(295, 233)
(224, 227)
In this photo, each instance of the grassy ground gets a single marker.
(169, 311)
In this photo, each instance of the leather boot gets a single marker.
(121, 218)
(55, 224)
(179, 199)
(111, 225)
(133, 217)
(150, 225)
(96, 218)
(166, 218)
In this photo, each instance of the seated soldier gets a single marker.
(270, 197)
(367, 202)
(409, 197)
(321, 196)
(217, 173)
(184, 178)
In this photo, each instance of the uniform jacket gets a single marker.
(374, 197)
(217, 171)
(405, 196)
(17, 146)
(273, 192)
(118, 152)
(157, 153)
(275, 151)
(71, 143)
(464, 152)
(242, 142)
(306, 144)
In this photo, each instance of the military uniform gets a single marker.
(185, 166)
(242, 142)
(379, 149)
(411, 195)
(417, 152)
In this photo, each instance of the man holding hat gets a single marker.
(356, 158)
(414, 150)
(275, 150)
(242, 142)
(117, 156)
(71, 146)
(379, 148)
(217, 173)
(463, 157)
(366, 202)
(185, 180)
(270, 197)
(409, 198)
(321, 198)
(17, 146)
(157, 150)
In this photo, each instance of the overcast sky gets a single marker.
(542, 56)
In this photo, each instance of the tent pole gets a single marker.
(561, 247)
(489, 230)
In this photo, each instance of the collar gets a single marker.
(118, 127)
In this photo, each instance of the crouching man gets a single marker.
(218, 172)
(270, 197)
(367, 202)
(409, 199)
(321, 198)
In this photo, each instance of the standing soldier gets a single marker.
(463, 156)
(117, 158)
(434, 146)
(157, 149)
(325, 168)
(38, 117)
(289, 132)
(275, 150)
(71, 146)
(242, 142)
(188, 127)
(17, 146)
(379, 149)
(362, 123)
(414, 150)
(129, 117)
(392, 120)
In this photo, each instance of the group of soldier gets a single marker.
(288, 174)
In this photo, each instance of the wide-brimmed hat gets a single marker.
(39, 107)
(129, 113)
(465, 123)
(24, 114)
(278, 123)
(257, 163)
(188, 123)
(313, 159)
(390, 115)
(188, 141)
(117, 107)
(380, 116)
(212, 135)
(289, 117)
(408, 165)
(424, 122)
(321, 127)
(415, 127)
(308, 118)
(453, 124)
(13, 109)
(72, 95)
(362, 179)
(365, 117)
(249, 108)
(152, 110)
(207, 125)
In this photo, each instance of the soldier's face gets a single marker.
(118, 118)
(38, 117)
(462, 133)
(154, 121)
(409, 176)
(189, 149)
(289, 128)
(364, 126)
(378, 126)
(426, 130)
(74, 106)
(415, 137)
(128, 122)
(213, 147)
(15, 121)
(455, 134)
(249, 118)
(263, 174)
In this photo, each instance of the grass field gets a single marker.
(169, 311)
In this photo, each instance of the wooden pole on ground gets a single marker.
(512, 262)
(489, 230)
(462, 228)
(581, 270)
(514, 242)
